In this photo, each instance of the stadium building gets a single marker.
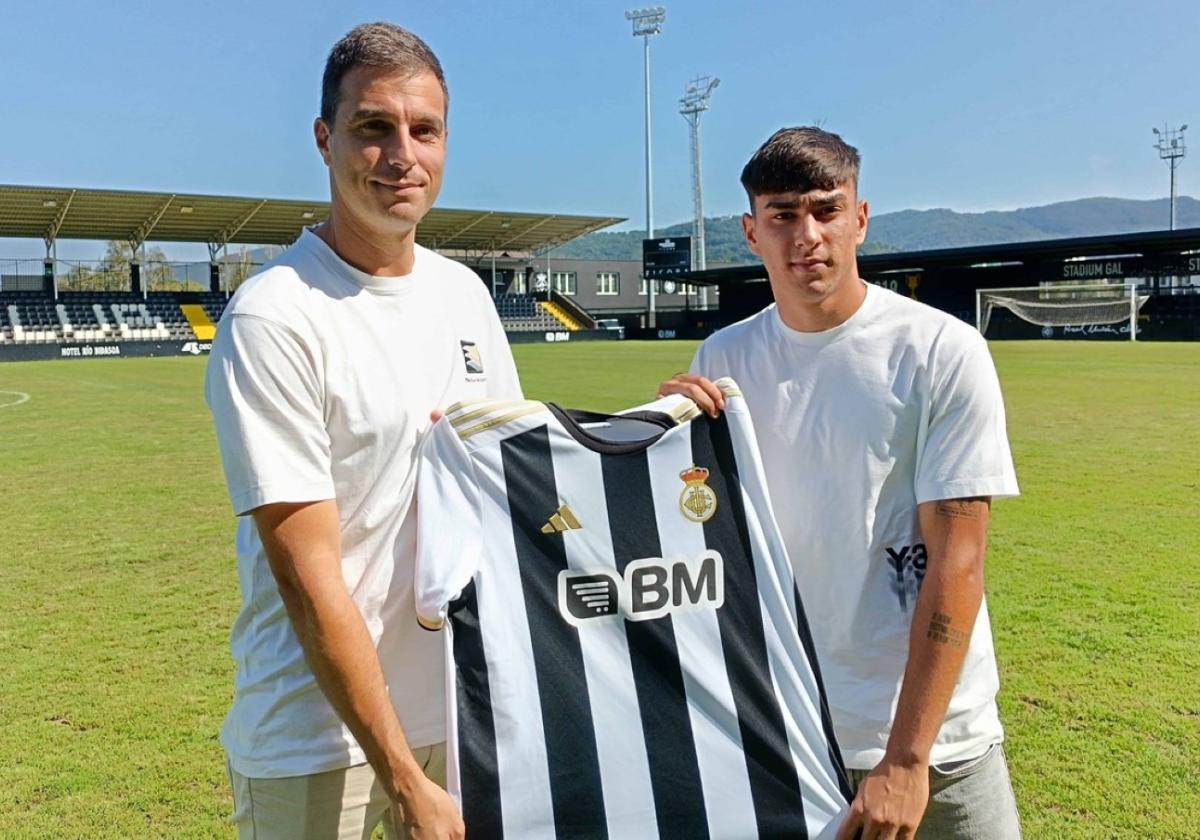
(1083, 287)
(1093, 287)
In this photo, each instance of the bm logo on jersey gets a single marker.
(649, 589)
(588, 596)
(471, 357)
(697, 501)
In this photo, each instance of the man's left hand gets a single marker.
(890, 803)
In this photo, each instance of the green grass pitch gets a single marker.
(118, 587)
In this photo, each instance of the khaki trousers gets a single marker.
(346, 804)
(968, 800)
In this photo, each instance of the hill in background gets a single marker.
(919, 230)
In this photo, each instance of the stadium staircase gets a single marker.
(202, 326)
(565, 321)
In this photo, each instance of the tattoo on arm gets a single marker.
(942, 630)
(962, 508)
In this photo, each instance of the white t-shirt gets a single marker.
(321, 381)
(857, 425)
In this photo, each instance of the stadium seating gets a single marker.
(36, 318)
(214, 305)
(521, 313)
(82, 317)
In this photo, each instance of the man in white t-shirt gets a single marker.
(881, 426)
(325, 371)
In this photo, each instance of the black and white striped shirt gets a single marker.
(629, 657)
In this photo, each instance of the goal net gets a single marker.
(1064, 305)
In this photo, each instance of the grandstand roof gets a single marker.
(51, 213)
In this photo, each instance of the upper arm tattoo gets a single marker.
(972, 508)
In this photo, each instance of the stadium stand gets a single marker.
(36, 318)
(102, 316)
(521, 313)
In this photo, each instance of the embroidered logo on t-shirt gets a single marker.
(471, 357)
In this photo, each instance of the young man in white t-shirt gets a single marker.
(881, 426)
(325, 371)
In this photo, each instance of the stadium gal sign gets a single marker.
(1100, 269)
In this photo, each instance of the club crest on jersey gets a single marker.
(650, 588)
(471, 357)
(698, 502)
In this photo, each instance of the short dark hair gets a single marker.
(798, 160)
(376, 45)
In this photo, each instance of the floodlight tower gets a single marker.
(1171, 149)
(695, 102)
(647, 22)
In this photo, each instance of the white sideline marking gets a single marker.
(21, 397)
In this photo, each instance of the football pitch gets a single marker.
(118, 585)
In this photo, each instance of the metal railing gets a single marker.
(101, 275)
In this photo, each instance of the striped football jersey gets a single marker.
(627, 652)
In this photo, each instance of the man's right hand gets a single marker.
(429, 813)
(701, 391)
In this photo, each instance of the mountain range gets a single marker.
(920, 230)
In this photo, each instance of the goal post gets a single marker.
(1064, 304)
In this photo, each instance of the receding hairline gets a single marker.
(405, 74)
(383, 47)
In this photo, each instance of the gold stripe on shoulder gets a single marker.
(430, 625)
(728, 387)
(485, 407)
(461, 404)
(501, 419)
(684, 412)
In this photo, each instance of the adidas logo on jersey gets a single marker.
(561, 520)
(649, 589)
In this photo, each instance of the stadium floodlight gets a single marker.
(647, 22)
(695, 102)
(1064, 305)
(1172, 149)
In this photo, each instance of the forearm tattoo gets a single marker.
(941, 629)
(962, 508)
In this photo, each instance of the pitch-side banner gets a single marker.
(103, 350)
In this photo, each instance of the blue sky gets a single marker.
(971, 106)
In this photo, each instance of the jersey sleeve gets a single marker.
(965, 449)
(264, 391)
(449, 543)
